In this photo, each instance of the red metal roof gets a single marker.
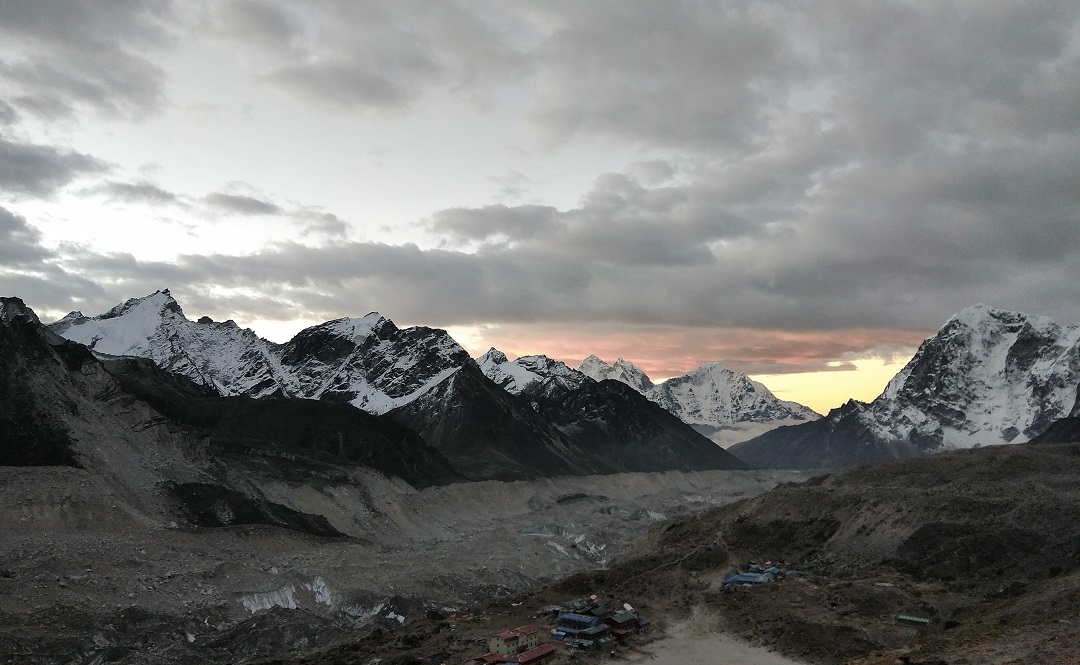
(533, 655)
(511, 633)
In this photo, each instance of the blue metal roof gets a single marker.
(579, 618)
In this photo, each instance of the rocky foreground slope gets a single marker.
(988, 377)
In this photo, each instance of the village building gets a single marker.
(515, 640)
(530, 657)
(626, 623)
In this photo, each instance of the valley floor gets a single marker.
(79, 572)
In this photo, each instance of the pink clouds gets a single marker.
(665, 351)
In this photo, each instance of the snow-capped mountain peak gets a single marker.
(529, 373)
(12, 307)
(493, 357)
(987, 376)
(232, 360)
(355, 328)
(713, 395)
(621, 370)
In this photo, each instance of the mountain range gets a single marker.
(418, 377)
(987, 377)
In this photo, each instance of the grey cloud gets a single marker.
(853, 164)
(39, 170)
(376, 55)
(84, 55)
(315, 222)
(241, 205)
(512, 185)
(20, 243)
(348, 84)
(497, 221)
(136, 192)
(8, 114)
(684, 74)
(272, 24)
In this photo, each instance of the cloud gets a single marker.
(39, 170)
(320, 223)
(381, 56)
(76, 55)
(20, 243)
(813, 170)
(137, 192)
(512, 185)
(240, 204)
(496, 221)
(8, 114)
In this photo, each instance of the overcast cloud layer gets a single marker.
(846, 171)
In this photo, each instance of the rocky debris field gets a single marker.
(85, 579)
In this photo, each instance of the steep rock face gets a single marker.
(714, 395)
(369, 362)
(31, 432)
(621, 370)
(987, 377)
(232, 360)
(607, 418)
(533, 377)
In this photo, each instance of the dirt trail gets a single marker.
(688, 644)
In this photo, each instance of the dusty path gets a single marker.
(683, 644)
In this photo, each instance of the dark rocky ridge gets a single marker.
(840, 439)
(488, 433)
(30, 433)
(302, 439)
(609, 419)
(623, 426)
(398, 362)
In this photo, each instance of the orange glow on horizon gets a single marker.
(820, 369)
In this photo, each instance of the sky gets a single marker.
(803, 191)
